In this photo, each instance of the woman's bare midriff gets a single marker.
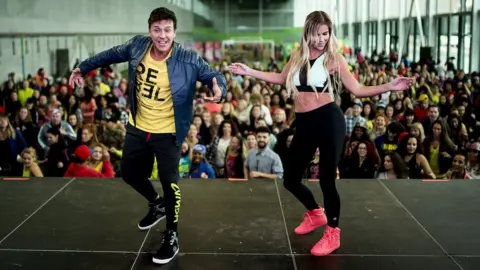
(309, 101)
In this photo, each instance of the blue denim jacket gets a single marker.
(185, 68)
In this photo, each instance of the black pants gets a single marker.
(137, 164)
(324, 128)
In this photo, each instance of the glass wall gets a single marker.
(454, 39)
(451, 33)
(357, 35)
(391, 34)
(372, 31)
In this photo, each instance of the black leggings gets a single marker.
(137, 163)
(324, 128)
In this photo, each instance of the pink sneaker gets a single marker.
(312, 220)
(329, 242)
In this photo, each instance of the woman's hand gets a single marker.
(239, 68)
(106, 155)
(445, 155)
(400, 84)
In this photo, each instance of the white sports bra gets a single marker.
(318, 75)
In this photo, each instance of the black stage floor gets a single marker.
(92, 224)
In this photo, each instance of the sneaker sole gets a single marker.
(164, 261)
(323, 254)
(150, 226)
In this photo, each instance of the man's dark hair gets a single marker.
(262, 130)
(160, 14)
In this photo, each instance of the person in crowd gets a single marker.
(433, 116)
(57, 158)
(412, 153)
(354, 116)
(263, 162)
(280, 122)
(314, 167)
(88, 105)
(362, 163)
(192, 136)
(99, 160)
(30, 165)
(185, 160)
(12, 144)
(458, 170)
(252, 141)
(55, 122)
(416, 129)
(393, 167)
(439, 149)
(235, 158)
(200, 168)
(89, 135)
(379, 126)
(24, 123)
(78, 167)
(388, 142)
(473, 160)
(272, 140)
(217, 150)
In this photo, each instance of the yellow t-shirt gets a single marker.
(104, 89)
(434, 164)
(436, 98)
(26, 172)
(154, 110)
(99, 167)
(24, 94)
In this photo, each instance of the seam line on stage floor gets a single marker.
(38, 209)
(239, 254)
(420, 224)
(140, 249)
(286, 227)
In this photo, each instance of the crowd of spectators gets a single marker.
(428, 131)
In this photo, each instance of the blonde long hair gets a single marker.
(10, 130)
(301, 57)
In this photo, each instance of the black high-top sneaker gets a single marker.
(169, 248)
(155, 213)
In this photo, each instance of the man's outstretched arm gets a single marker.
(117, 54)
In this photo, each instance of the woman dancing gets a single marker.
(312, 75)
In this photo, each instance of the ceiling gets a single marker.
(244, 4)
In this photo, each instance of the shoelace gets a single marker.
(328, 237)
(309, 218)
(158, 207)
(167, 237)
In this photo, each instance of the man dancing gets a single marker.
(161, 85)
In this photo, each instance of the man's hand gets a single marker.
(76, 78)
(254, 174)
(218, 92)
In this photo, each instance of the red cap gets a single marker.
(82, 152)
(401, 136)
